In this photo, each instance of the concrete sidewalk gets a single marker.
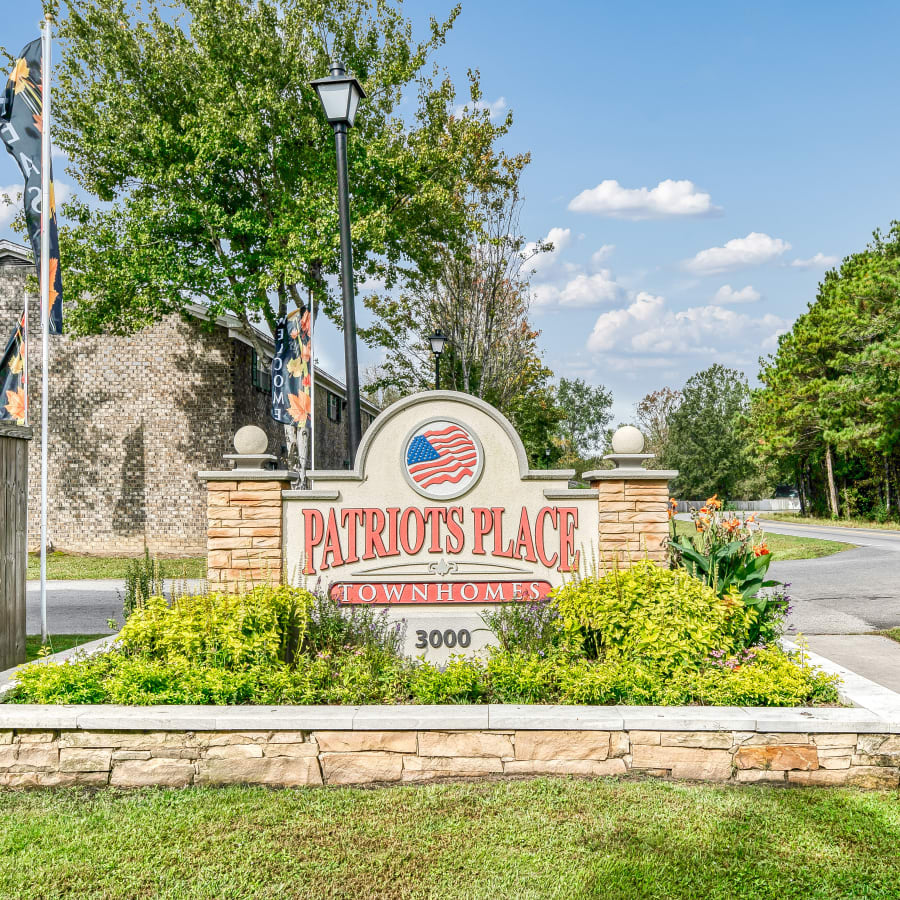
(871, 655)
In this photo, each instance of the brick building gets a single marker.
(133, 419)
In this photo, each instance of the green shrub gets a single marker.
(649, 613)
(264, 625)
(332, 628)
(525, 678)
(462, 680)
(525, 626)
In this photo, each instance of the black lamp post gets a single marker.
(340, 95)
(437, 341)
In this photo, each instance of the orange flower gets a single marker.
(761, 550)
(299, 408)
(714, 502)
(15, 405)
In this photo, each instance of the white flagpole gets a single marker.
(45, 306)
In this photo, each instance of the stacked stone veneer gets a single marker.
(634, 519)
(35, 758)
(132, 419)
(244, 532)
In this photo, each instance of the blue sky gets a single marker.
(721, 156)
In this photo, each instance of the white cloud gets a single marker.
(582, 290)
(10, 202)
(601, 255)
(495, 109)
(540, 262)
(668, 198)
(649, 333)
(819, 261)
(753, 250)
(727, 294)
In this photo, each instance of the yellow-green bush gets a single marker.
(265, 624)
(654, 614)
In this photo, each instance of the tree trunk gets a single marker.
(832, 489)
(801, 488)
(887, 485)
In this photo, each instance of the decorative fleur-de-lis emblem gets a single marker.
(443, 567)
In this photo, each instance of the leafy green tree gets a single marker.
(828, 411)
(199, 133)
(653, 413)
(706, 442)
(587, 411)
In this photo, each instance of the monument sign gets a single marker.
(440, 519)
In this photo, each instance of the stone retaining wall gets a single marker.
(57, 757)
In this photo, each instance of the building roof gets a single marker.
(13, 254)
(237, 332)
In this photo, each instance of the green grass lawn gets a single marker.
(797, 519)
(542, 838)
(58, 642)
(786, 546)
(70, 565)
(892, 633)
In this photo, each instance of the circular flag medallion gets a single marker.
(442, 459)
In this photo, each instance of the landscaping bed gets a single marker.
(642, 636)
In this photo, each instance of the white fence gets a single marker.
(780, 504)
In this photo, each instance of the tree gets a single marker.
(828, 412)
(478, 295)
(586, 414)
(653, 414)
(705, 442)
(203, 139)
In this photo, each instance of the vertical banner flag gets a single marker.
(12, 377)
(292, 371)
(21, 126)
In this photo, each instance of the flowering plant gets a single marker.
(725, 552)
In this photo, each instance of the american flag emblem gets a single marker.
(442, 459)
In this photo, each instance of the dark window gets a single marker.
(333, 407)
(260, 374)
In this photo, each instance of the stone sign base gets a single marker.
(49, 757)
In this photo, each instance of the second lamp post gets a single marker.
(340, 95)
(437, 341)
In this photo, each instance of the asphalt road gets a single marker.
(77, 607)
(854, 591)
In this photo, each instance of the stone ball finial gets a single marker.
(628, 439)
(250, 440)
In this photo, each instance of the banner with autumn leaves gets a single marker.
(292, 370)
(21, 128)
(12, 377)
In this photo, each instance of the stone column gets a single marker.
(634, 504)
(244, 516)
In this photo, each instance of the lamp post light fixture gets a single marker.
(437, 341)
(340, 94)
